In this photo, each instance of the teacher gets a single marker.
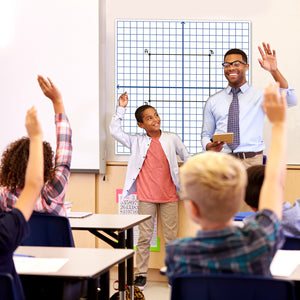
(238, 107)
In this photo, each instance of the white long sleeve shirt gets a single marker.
(139, 144)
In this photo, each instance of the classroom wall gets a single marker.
(272, 21)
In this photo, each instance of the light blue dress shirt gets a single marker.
(290, 221)
(251, 117)
(139, 145)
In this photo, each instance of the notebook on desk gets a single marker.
(78, 214)
(285, 262)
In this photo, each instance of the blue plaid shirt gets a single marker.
(247, 250)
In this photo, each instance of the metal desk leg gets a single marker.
(121, 269)
(92, 289)
(130, 270)
(104, 286)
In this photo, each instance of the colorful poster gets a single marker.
(129, 206)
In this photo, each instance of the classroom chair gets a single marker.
(7, 287)
(291, 243)
(52, 231)
(231, 287)
(49, 230)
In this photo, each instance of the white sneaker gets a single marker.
(163, 270)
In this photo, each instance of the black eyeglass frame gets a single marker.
(227, 64)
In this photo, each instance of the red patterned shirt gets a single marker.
(52, 199)
(154, 182)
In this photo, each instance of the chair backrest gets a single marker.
(49, 230)
(7, 287)
(231, 286)
(291, 243)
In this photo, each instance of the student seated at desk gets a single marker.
(56, 178)
(213, 187)
(13, 225)
(290, 214)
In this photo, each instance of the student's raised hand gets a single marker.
(52, 92)
(275, 105)
(49, 88)
(32, 124)
(123, 100)
(268, 60)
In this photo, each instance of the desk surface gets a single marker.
(286, 265)
(107, 222)
(82, 263)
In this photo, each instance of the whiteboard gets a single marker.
(58, 39)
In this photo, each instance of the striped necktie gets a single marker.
(233, 119)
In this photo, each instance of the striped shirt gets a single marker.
(52, 199)
(246, 250)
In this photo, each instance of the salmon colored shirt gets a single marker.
(154, 182)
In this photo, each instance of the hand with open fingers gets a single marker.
(268, 60)
(49, 89)
(32, 123)
(123, 100)
(275, 105)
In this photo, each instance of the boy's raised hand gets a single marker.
(32, 124)
(123, 100)
(272, 191)
(52, 92)
(274, 105)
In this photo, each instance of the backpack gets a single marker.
(138, 294)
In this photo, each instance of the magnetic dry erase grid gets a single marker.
(174, 66)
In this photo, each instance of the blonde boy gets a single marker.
(213, 187)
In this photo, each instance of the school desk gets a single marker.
(82, 263)
(119, 228)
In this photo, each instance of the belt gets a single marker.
(243, 155)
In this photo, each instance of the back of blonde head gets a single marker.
(216, 183)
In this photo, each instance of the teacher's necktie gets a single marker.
(233, 119)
